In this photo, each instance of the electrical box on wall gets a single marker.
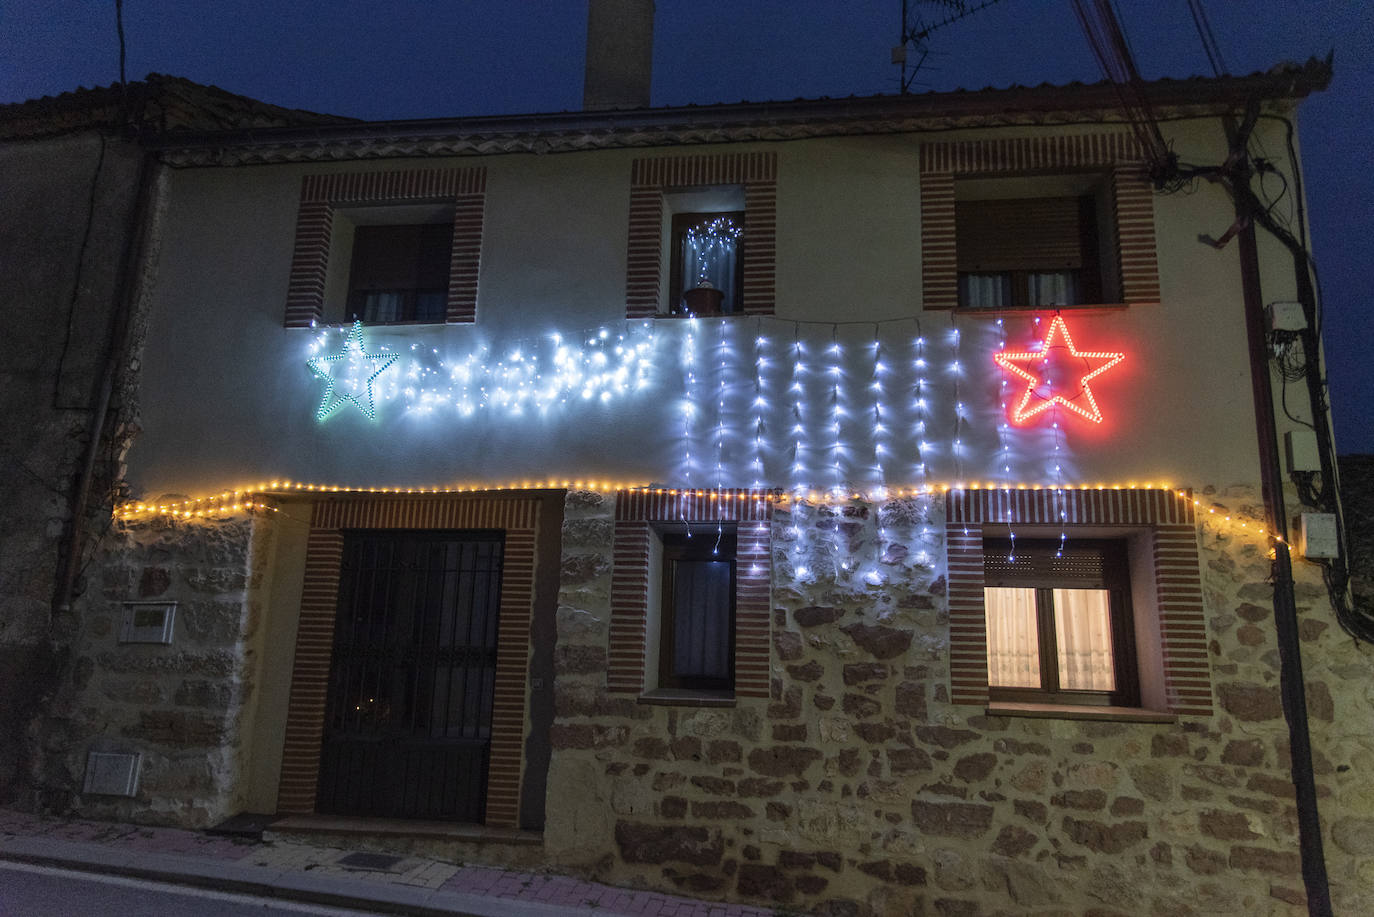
(1300, 448)
(112, 774)
(1317, 536)
(147, 622)
(1285, 316)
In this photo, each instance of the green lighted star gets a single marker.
(354, 382)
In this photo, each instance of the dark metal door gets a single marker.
(408, 716)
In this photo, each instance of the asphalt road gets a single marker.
(40, 891)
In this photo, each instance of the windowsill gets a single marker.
(681, 316)
(1087, 308)
(687, 697)
(403, 324)
(1081, 712)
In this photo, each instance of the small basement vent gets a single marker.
(109, 774)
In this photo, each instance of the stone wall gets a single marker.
(60, 284)
(860, 789)
(180, 705)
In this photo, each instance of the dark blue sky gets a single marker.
(380, 60)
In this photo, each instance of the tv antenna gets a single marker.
(916, 29)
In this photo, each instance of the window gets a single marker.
(1059, 626)
(707, 253)
(1038, 248)
(1130, 556)
(399, 273)
(709, 218)
(697, 611)
(1034, 193)
(399, 246)
(691, 617)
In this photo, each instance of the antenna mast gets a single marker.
(915, 31)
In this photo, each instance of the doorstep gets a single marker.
(345, 826)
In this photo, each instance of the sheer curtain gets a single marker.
(1082, 626)
(710, 253)
(1054, 289)
(985, 291)
(1013, 644)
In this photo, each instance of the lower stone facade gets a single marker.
(181, 705)
(857, 787)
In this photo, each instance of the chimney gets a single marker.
(620, 54)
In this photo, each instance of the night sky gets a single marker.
(419, 59)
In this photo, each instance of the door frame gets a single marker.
(516, 513)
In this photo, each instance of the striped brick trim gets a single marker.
(939, 270)
(1134, 205)
(300, 763)
(1182, 622)
(629, 607)
(1029, 154)
(446, 511)
(693, 506)
(322, 194)
(650, 178)
(519, 518)
(968, 635)
(1138, 506)
(635, 512)
(1133, 202)
(1177, 578)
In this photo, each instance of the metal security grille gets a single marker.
(408, 719)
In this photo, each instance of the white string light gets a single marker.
(797, 428)
(759, 404)
(834, 371)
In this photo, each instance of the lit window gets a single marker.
(400, 273)
(697, 620)
(706, 277)
(1059, 626)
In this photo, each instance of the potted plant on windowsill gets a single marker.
(703, 299)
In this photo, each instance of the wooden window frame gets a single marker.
(1115, 579)
(699, 547)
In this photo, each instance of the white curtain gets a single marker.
(1013, 646)
(711, 256)
(1082, 626)
(984, 291)
(382, 307)
(1055, 289)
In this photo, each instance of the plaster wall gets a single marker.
(553, 259)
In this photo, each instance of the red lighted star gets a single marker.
(1056, 372)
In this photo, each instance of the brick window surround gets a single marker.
(1164, 515)
(636, 514)
(650, 179)
(321, 195)
(1115, 153)
(519, 518)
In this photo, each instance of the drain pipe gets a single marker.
(1291, 685)
(135, 250)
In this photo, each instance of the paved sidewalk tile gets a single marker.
(306, 867)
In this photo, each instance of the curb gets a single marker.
(266, 882)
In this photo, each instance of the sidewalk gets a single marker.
(331, 876)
